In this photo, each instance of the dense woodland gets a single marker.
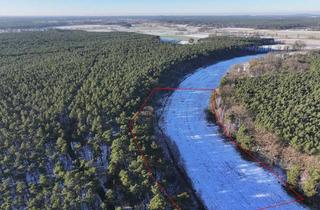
(286, 101)
(65, 102)
(28, 23)
(280, 94)
(258, 22)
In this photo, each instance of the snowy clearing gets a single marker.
(223, 179)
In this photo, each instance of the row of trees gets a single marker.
(65, 102)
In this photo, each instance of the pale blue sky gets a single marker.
(155, 7)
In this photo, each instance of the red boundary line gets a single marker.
(144, 158)
(170, 199)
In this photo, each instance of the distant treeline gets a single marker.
(258, 22)
(256, 40)
(25, 23)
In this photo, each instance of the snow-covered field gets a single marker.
(219, 174)
(185, 32)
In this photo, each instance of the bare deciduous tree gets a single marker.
(299, 45)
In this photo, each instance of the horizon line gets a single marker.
(176, 15)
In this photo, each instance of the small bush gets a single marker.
(310, 186)
(293, 175)
(244, 138)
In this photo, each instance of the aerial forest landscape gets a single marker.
(160, 105)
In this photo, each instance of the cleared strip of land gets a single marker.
(219, 174)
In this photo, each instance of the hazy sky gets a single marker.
(155, 7)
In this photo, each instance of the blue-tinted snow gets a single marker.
(219, 174)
